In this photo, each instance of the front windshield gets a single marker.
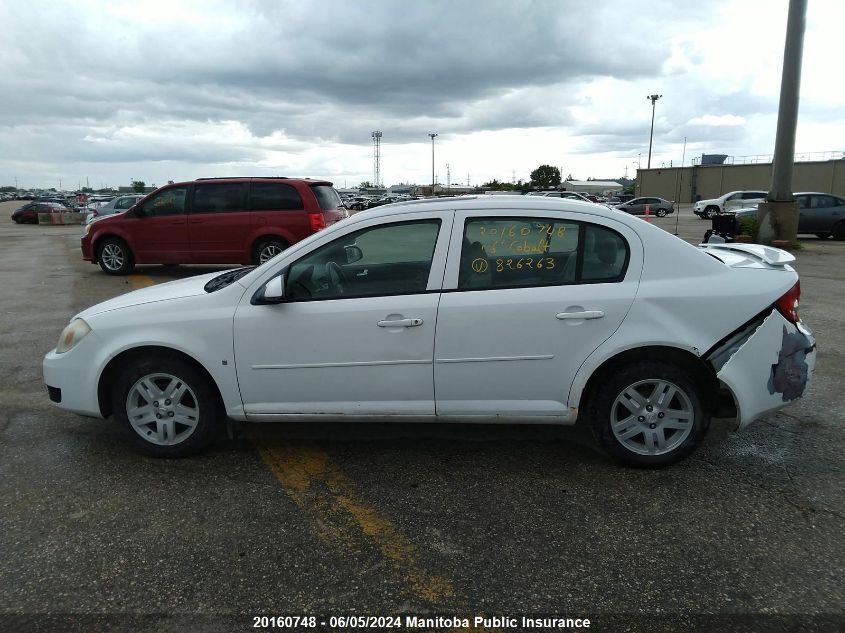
(227, 278)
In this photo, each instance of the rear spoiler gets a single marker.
(766, 254)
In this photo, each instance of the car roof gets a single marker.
(307, 181)
(514, 202)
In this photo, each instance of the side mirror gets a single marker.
(138, 211)
(353, 254)
(272, 292)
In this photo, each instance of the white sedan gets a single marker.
(471, 309)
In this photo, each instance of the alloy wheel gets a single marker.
(113, 256)
(162, 409)
(652, 417)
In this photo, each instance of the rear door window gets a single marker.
(218, 198)
(274, 196)
(524, 252)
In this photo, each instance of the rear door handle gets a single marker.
(401, 323)
(196, 221)
(586, 314)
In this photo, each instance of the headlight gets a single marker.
(71, 335)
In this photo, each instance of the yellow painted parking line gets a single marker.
(141, 281)
(327, 496)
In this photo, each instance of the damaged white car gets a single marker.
(474, 309)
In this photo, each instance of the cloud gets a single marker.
(281, 85)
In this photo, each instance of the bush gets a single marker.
(747, 225)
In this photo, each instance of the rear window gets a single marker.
(327, 197)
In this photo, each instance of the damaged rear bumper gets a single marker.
(765, 365)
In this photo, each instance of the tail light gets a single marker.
(318, 221)
(787, 305)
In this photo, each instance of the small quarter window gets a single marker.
(605, 254)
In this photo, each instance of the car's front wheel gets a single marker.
(114, 256)
(166, 407)
(648, 413)
(709, 212)
(660, 213)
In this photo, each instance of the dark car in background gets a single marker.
(656, 206)
(28, 214)
(213, 221)
(821, 214)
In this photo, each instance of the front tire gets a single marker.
(709, 212)
(660, 213)
(648, 413)
(166, 407)
(114, 256)
(266, 249)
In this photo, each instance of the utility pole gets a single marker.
(448, 177)
(680, 176)
(777, 217)
(653, 99)
(432, 135)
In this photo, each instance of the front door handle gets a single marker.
(586, 314)
(401, 323)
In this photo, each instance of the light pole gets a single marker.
(653, 99)
(432, 135)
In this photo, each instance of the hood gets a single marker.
(179, 289)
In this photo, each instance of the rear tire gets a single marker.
(114, 256)
(839, 231)
(266, 249)
(166, 407)
(648, 413)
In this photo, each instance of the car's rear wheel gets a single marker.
(648, 413)
(114, 256)
(267, 249)
(660, 213)
(166, 407)
(709, 212)
(839, 231)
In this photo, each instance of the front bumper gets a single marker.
(87, 248)
(73, 377)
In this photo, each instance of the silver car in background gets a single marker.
(117, 205)
(820, 214)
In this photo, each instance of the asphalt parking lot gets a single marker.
(390, 519)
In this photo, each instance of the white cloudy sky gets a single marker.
(157, 91)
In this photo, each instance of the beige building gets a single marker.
(684, 184)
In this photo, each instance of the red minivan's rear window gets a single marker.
(327, 197)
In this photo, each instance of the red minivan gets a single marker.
(213, 221)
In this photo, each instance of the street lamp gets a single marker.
(653, 99)
(432, 135)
